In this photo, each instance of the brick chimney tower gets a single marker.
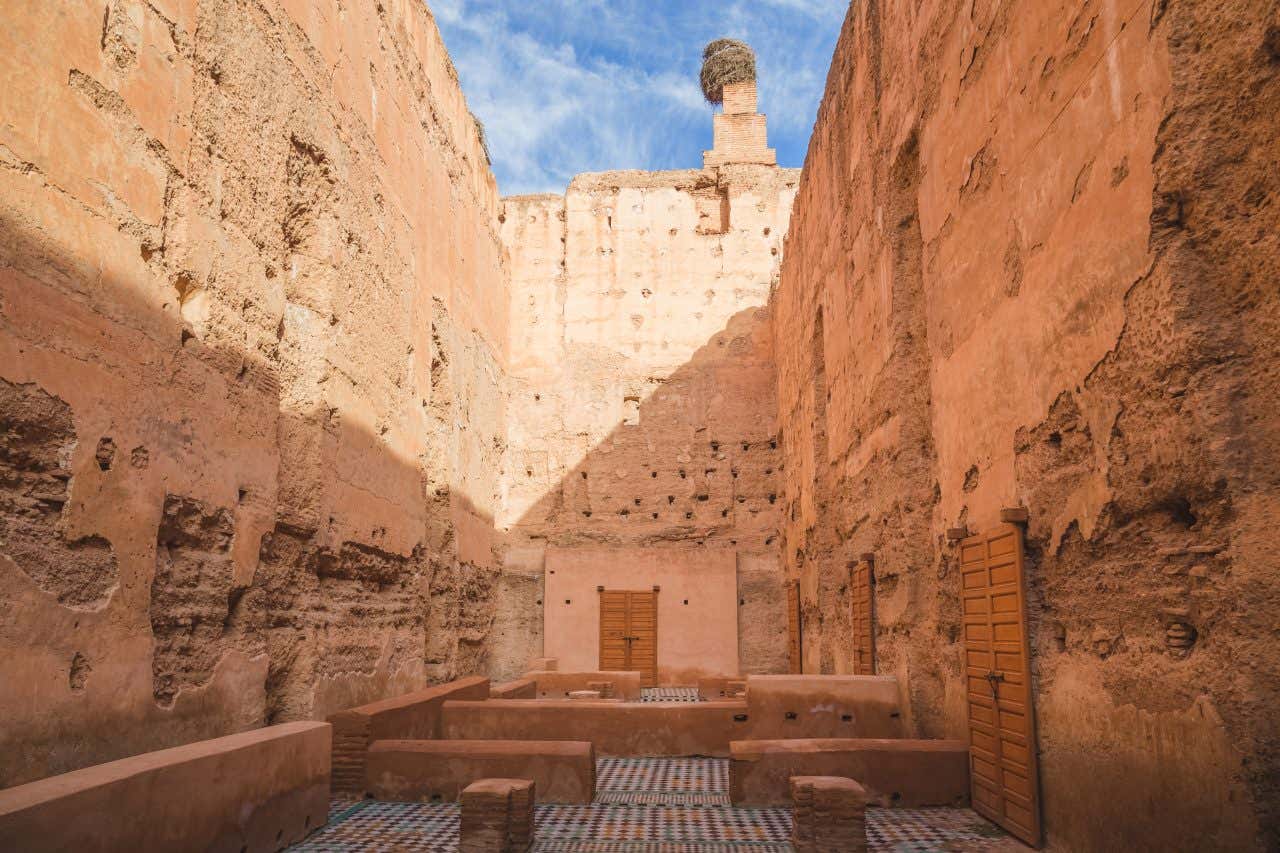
(741, 132)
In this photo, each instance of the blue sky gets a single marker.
(571, 86)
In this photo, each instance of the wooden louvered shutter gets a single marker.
(1002, 735)
(795, 646)
(863, 615)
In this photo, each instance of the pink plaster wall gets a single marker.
(695, 640)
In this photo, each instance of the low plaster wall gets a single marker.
(438, 771)
(825, 706)
(895, 772)
(414, 716)
(257, 791)
(558, 685)
(685, 728)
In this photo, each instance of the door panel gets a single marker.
(1002, 743)
(613, 631)
(643, 611)
(863, 614)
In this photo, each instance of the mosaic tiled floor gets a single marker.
(669, 694)
(650, 805)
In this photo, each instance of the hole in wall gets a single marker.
(105, 455)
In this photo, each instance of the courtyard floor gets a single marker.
(649, 805)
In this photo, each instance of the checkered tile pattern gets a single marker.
(663, 774)
(669, 694)
(649, 805)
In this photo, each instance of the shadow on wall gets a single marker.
(692, 467)
(184, 551)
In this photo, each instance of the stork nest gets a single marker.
(726, 61)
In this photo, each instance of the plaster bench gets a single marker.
(558, 685)
(438, 770)
(895, 772)
(256, 791)
(615, 728)
(412, 716)
(523, 688)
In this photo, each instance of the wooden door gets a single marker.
(795, 643)
(861, 584)
(629, 633)
(1002, 733)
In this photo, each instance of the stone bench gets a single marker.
(710, 689)
(894, 772)
(524, 688)
(498, 816)
(558, 685)
(824, 706)
(257, 791)
(615, 728)
(438, 770)
(413, 716)
(828, 814)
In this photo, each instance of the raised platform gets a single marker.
(413, 716)
(438, 770)
(894, 772)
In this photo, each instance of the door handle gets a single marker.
(994, 679)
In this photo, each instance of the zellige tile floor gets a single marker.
(650, 805)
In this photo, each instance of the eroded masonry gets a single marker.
(941, 471)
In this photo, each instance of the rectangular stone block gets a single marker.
(257, 791)
(438, 770)
(498, 816)
(894, 772)
(828, 815)
(413, 716)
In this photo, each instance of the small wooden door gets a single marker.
(794, 632)
(629, 633)
(1002, 733)
(861, 583)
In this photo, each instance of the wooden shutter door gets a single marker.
(643, 612)
(795, 646)
(1002, 741)
(863, 612)
(613, 631)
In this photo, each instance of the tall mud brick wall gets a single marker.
(252, 339)
(642, 385)
(1032, 263)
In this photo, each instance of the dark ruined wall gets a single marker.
(1044, 275)
(252, 342)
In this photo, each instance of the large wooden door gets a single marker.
(794, 633)
(1002, 733)
(861, 583)
(629, 633)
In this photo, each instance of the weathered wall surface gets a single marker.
(642, 388)
(1032, 263)
(252, 334)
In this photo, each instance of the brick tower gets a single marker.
(741, 132)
